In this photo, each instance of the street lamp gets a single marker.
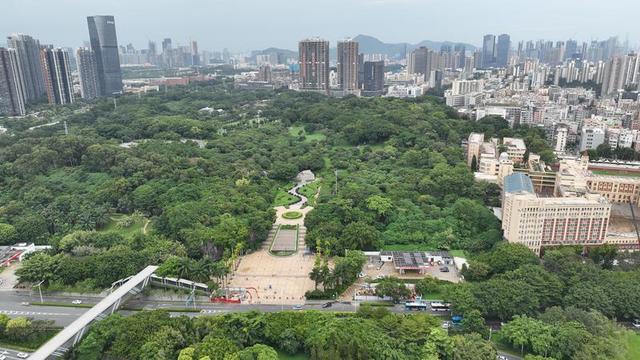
(39, 285)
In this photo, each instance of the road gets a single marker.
(11, 304)
(9, 354)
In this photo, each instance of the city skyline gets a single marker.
(139, 22)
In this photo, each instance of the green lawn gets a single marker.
(299, 130)
(135, 228)
(633, 345)
(309, 191)
(284, 356)
(283, 198)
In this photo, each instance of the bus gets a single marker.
(438, 306)
(416, 305)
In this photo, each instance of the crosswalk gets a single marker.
(212, 311)
(28, 313)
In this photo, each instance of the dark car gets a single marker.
(444, 269)
(327, 305)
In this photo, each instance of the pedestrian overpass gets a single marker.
(69, 336)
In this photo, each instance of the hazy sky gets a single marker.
(254, 24)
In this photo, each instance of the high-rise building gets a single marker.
(314, 64)
(29, 70)
(348, 65)
(488, 51)
(373, 83)
(571, 49)
(619, 72)
(57, 75)
(88, 73)
(104, 43)
(195, 55)
(418, 60)
(503, 48)
(166, 44)
(152, 53)
(11, 93)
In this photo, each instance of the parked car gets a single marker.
(76, 302)
(361, 275)
(22, 355)
(24, 303)
(636, 323)
(378, 277)
(297, 307)
(444, 269)
(327, 305)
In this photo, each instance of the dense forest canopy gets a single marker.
(207, 179)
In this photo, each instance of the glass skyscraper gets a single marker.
(104, 43)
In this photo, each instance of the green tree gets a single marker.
(392, 287)
(472, 347)
(258, 352)
(18, 328)
(8, 234)
(474, 322)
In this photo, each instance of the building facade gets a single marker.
(543, 222)
(503, 48)
(29, 70)
(104, 43)
(12, 100)
(348, 65)
(373, 81)
(314, 64)
(87, 73)
(57, 75)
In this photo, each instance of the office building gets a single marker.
(488, 51)
(87, 73)
(11, 94)
(348, 65)
(152, 53)
(418, 60)
(373, 78)
(314, 64)
(57, 75)
(104, 43)
(195, 55)
(29, 70)
(547, 221)
(503, 48)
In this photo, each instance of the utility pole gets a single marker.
(39, 285)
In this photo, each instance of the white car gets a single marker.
(378, 277)
(24, 303)
(361, 275)
(76, 302)
(22, 355)
(636, 323)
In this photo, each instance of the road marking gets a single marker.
(18, 312)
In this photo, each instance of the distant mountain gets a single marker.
(275, 52)
(371, 45)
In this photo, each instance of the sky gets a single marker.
(243, 25)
